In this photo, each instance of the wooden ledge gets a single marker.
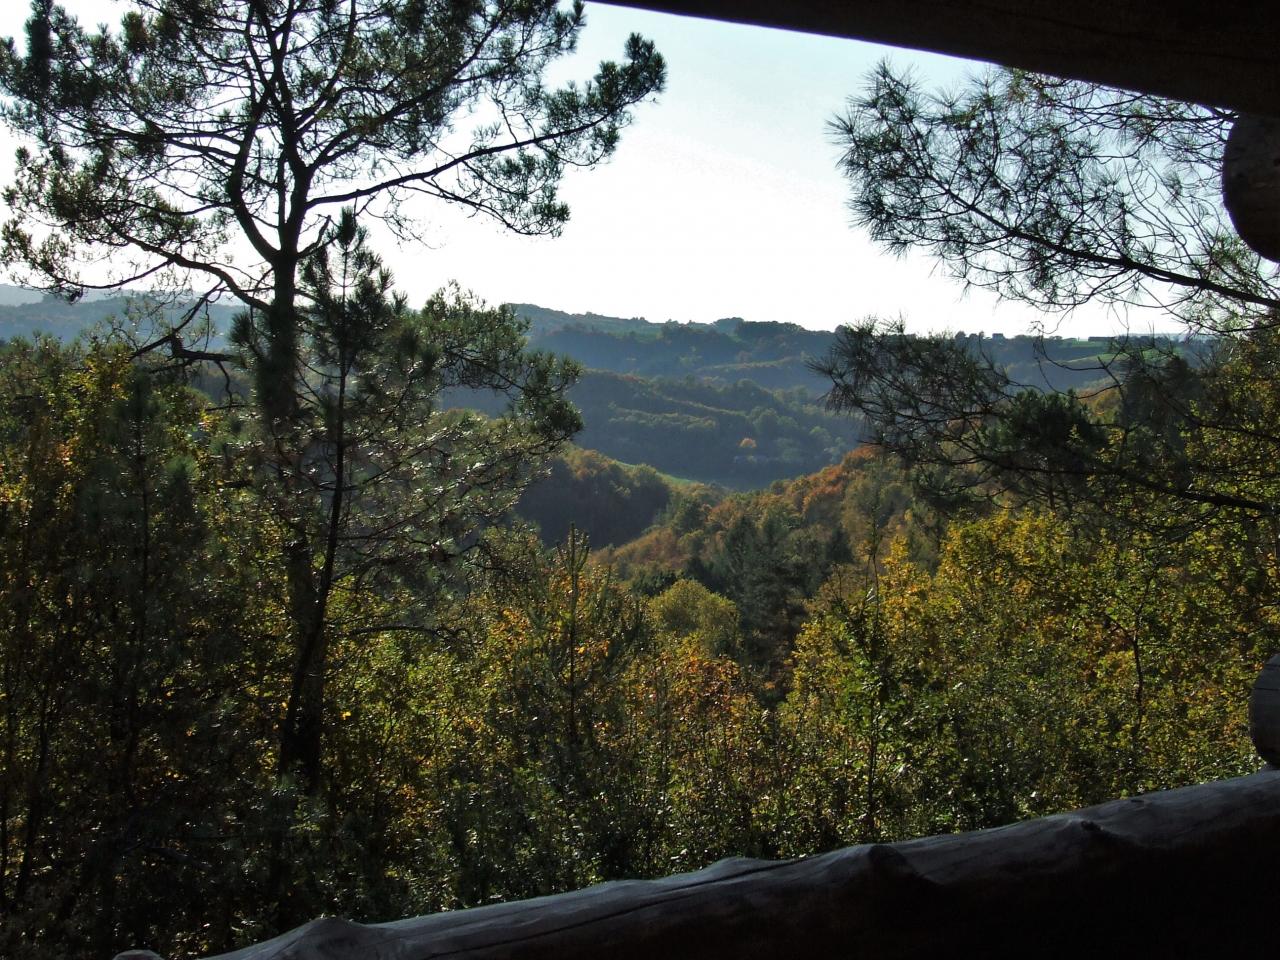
(1180, 872)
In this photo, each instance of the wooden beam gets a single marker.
(1185, 872)
(1221, 54)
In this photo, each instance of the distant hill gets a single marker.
(731, 403)
(611, 502)
(544, 321)
(24, 313)
(736, 435)
(775, 355)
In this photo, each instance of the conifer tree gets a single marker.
(230, 146)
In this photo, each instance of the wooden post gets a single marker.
(1251, 182)
(1264, 713)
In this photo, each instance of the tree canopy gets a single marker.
(218, 714)
(194, 122)
(1055, 192)
(239, 146)
(1058, 193)
(200, 140)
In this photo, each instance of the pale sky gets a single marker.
(723, 198)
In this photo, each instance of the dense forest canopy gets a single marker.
(275, 642)
(1058, 193)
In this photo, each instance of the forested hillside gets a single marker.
(827, 661)
(774, 356)
(732, 403)
(605, 501)
(777, 356)
(738, 435)
(24, 314)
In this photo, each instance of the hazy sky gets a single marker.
(722, 200)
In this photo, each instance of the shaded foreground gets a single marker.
(1178, 872)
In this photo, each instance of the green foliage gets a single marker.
(1055, 193)
(568, 737)
(1035, 671)
(286, 114)
(537, 726)
(217, 582)
(608, 501)
(127, 739)
(971, 436)
(758, 562)
(1046, 444)
(1094, 630)
(687, 612)
(383, 496)
(277, 658)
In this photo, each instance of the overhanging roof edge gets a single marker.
(1225, 55)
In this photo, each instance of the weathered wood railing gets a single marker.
(1184, 872)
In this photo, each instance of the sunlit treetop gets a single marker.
(196, 123)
